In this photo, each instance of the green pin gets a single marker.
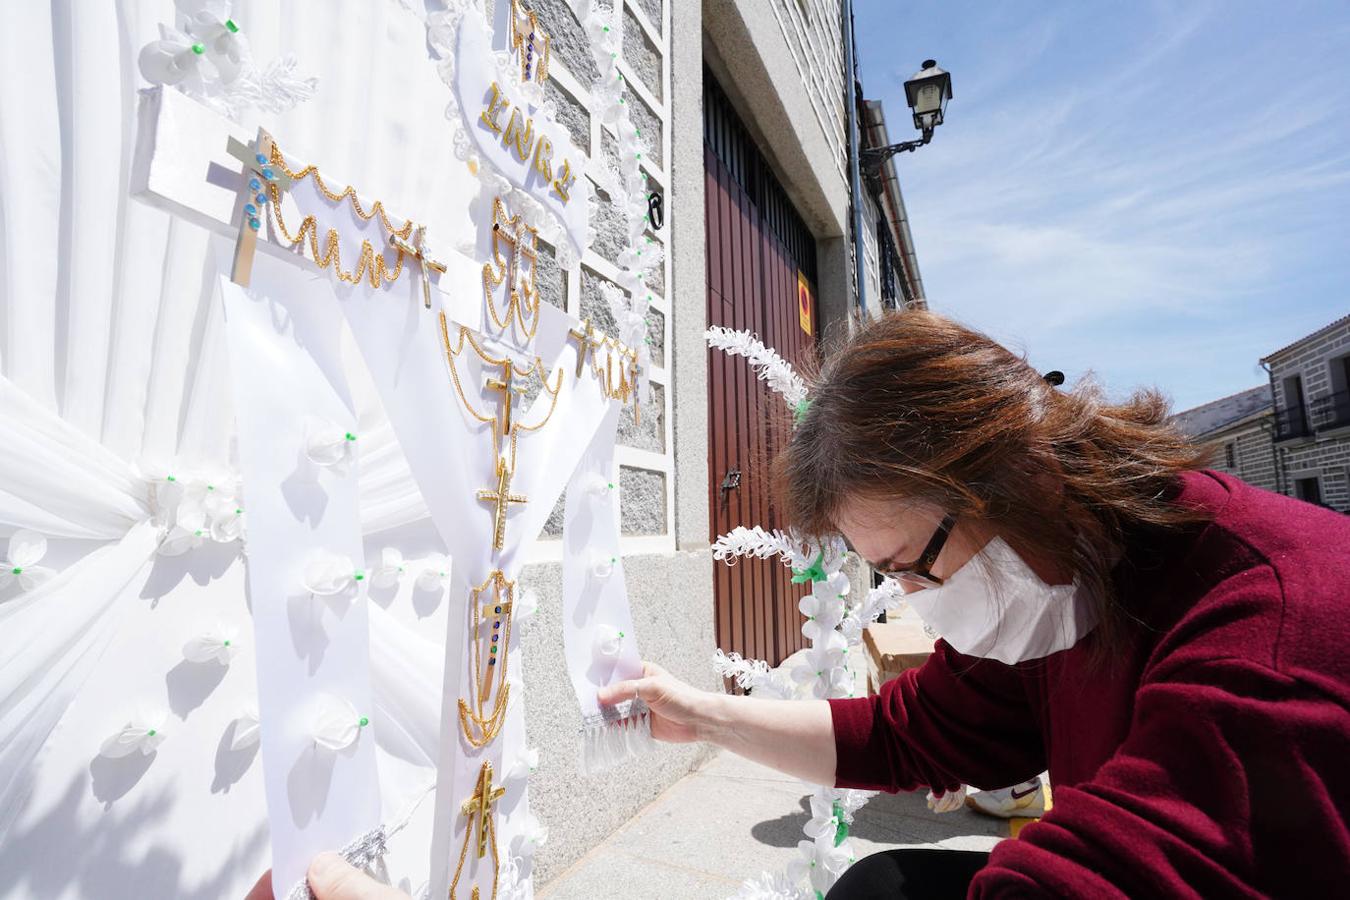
(231, 27)
(150, 733)
(359, 575)
(169, 478)
(363, 722)
(17, 570)
(198, 49)
(350, 436)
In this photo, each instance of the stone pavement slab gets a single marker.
(733, 819)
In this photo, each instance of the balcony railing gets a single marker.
(1330, 411)
(1291, 423)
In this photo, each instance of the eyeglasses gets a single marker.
(919, 572)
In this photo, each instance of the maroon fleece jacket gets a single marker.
(1213, 760)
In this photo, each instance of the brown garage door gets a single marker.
(758, 246)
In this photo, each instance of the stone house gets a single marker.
(1310, 382)
(745, 111)
(1238, 427)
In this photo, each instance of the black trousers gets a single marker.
(910, 874)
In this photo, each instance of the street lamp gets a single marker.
(927, 93)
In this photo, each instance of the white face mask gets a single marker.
(995, 606)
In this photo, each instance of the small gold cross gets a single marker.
(419, 251)
(507, 387)
(502, 496)
(479, 806)
(584, 342)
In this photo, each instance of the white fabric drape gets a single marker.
(111, 358)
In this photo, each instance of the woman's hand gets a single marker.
(331, 877)
(680, 713)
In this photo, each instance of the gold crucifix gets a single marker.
(479, 806)
(502, 496)
(418, 249)
(584, 341)
(478, 809)
(507, 386)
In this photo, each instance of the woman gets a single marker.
(1170, 643)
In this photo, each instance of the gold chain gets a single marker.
(489, 725)
(347, 193)
(498, 271)
(452, 352)
(372, 264)
(491, 827)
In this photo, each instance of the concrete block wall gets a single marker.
(1253, 454)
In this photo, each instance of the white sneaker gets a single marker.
(1025, 800)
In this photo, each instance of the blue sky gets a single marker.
(1157, 192)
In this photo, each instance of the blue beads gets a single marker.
(250, 210)
(268, 173)
(261, 198)
(261, 160)
(492, 661)
(497, 610)
(494, 638)
(254, 224)
(496, 624)
(254, 184)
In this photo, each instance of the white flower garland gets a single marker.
(832, 624)
(769, 366)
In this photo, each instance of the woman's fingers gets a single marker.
(619, 691)
(332, 878)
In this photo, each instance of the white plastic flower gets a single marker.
(533, 836)
(598, 486)
(209, 23)
(608, 641)
(246, 728)
(187, 533)
(823, 669)
(25, 549)
(602, 565)
(215, 645)
(144, 732)
(435, 573)
(826, 818)
(823, 615)
(523, 766)
(336, 724)
(821, 862)
(330, 573)
(778, 886)
(330, 446)
(389, 570)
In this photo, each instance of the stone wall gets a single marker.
(1325, 455)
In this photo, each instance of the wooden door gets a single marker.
(758, 246)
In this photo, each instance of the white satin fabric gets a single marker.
(110, 357)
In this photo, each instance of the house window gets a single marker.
(1229, 456)
(1292, 420)
(1308, 489)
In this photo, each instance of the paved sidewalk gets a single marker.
(733, 819)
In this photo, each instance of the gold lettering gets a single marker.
(562, 185)
(522, 138)
(497, 104)
(543, 154)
